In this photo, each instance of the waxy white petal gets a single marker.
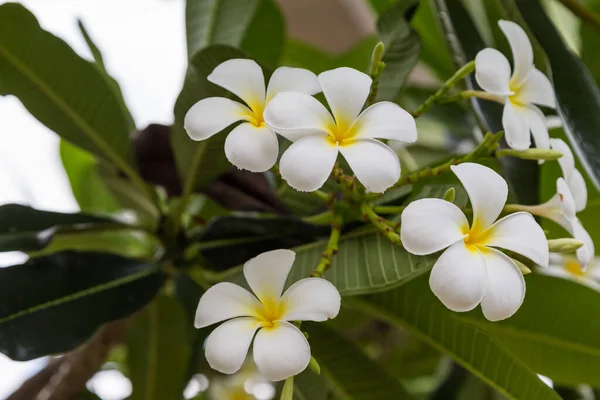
(346, 91)
(537, 89)
(375, 165)
(487, 191)
(505, 286)
(211, 115)
(385, 120)
(311, 299)
(227, 346)
(522, 51)
(585, 253)
(242, 77)
(519, 232)
(430, 225)
(307, 163)
(224, 301)
(537, 125)
(567, 203)
(578, 189)
(295, 115)
(281, 351)
(516, 128)
(286, 79)
(252, 148)
(267, 272)
(492, 72)
(458, 278)
(567, 161)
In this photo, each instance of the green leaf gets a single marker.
(402, 46)
(88, 188)
(24, 228)
(589, 41)
(310, 386)
(158, 351)
(52, 304)
(65, 92)
(265, 37)
(577, 95)
(352, 374)
(414, 307)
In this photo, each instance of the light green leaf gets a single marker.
(589, 43)
(414, 307)
(158, 351)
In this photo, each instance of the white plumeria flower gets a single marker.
(520, 91)
(318, 137)
(251, 145)
(572, 176)
(568, 267)
(280, 349)
(471, 271)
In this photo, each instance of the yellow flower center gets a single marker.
(270, 312)
(573, 267)
(475, 239)
(341, 133)
(239, 394)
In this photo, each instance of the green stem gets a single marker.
(384, 226)
(388, 209)
(585, 14)
(321, 195)
(449, 84)
(325, 218)
(375, 72)
(332, 247)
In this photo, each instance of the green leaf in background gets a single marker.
(577, 95)
(65, 92)
(554, 332)
(351, 374)
(255, 26)
(23, 228)
(88, 188)
(402, 46)
(52, 304)
(415, 308)
(158, 350)
(590, 38)
(310, 386)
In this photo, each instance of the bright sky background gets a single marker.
(143, 43)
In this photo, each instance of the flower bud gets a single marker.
(530, 154)
(564, 245)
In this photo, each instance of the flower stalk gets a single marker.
(376, 68)
(384, 226)
(332, 246)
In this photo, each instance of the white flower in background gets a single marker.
(520, 91)
(572, 176)
(250, 145)
(471, 271)
(318, 137)
(280, 349)
(568, 267)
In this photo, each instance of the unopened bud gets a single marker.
(450, 195)
(524, 269)
(564, 245)
(376, 57)
(530, 154)
(314, 366)
(288, 389)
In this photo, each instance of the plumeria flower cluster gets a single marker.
(288, 109)
(280, 349)
(568, 267)
(471, 271)
(520, 90)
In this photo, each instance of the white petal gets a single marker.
(375, 165)
(585, 253)
(458, 278)
(516, 129)
(286, 79)
(519, 232)
(281, 351)
(212, 115)
(267, 272)
(578, 190)
(537, 89)
(227, 345)
(242, 77)
(295, 115)
(252, 148)
(311, 299)
(492, 72)
(537, 125)
(487, 191)
(552, 210)
(224, 301)
(521, 50)
(385, 120)
(567, 203)
(567, 161)
(430, 225)
(346, 91)
(307, 163)
(505, 288)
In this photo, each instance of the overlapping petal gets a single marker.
(505, 286)
(227, 345)
(252, 148)
(585, 253)
(211, 115)
(579, 190)
(567, 203)
(492, 72)
(375, 165)
(385, 120)
(224, 301)
(537, 89)
(281, 351)
(311, 299)
(459, 278)
(522, 51)
(537, 125)
(266, 273)
(242, 77)
(516, 128)
(286, 79)
(567, 161)
(487, 191)
(430, 225)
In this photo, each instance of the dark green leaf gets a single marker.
(158, 351)
(414, 307)
(52, 304)
(589, 43)
(265, 36)
(310, 386)
(350, 372)
(577, 95)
